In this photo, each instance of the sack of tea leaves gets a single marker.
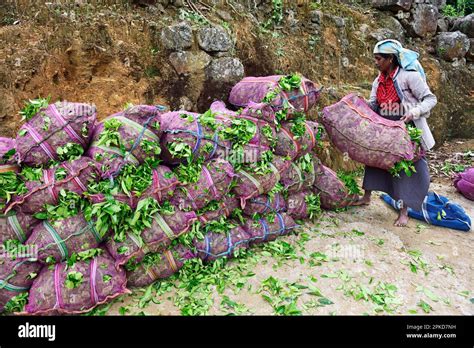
(161, 225)
(157, 266)
(16, 277)
(256, 179)
(296, 138)
(303, 205)
(58, 240)
(16, 225)
(216, 209)
(332, 192)
(7, 151)
(300, 175)
(294, 92)
(202, 183)
(77, 288)
(464, 183)
(222, 244)
(265, 204)
(269, 227)
(354, 128)
(60, 127)
(71, 176)
(129, 136)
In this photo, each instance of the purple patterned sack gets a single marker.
(261, 111)
(16, 226)
(78, 175)
(251, 185)
(185, 127)
(158, 266)
(52, 127)
(15, 277)
(265, 204)
(60, 239)
(205, 138)
(464, 183)
(269, 227)
(7, 150)
(131, 201)
(216, 209)
(138, 129)
(365, 136)
(213, 184)
(163, 185)
(254, 89)
(164, 229)
(76, 289)
(216, 245)
(295, 147)
(297, 177)
(303, 205)
(260, 143)
(332, 191)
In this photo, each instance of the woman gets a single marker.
(400, 93)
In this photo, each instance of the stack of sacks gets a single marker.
(129, 200)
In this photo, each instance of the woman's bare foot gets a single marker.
(361, 201)
(402, 218)
(365, 200)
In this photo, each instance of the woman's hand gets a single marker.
(407, 118)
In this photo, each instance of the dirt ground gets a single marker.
(353, 262)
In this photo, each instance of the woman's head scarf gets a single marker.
(407, 59)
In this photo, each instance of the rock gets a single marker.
(465, 25)
(221, 75)
(178, 3)
(450, 21)
(438, 3)
(189, 62)
(177, 37)
(442, 25)
(225, 70)
(292, 21)
(316, 16)
(382, 34)
(214, 39)
(393, 5)
(156, 9)
(470, 52)
(338, 21)
(425, 20)
(452, 45)
(222, 54)
(392, 24)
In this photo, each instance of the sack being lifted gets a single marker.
(354, 128)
